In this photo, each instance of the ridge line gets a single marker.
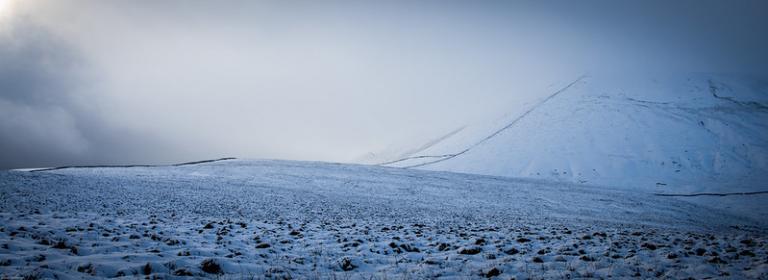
(445, 157)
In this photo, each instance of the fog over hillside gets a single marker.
(116, 82)
(430, 139)
(672, 134)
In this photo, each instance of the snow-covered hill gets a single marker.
(243, 219)
(699, 133)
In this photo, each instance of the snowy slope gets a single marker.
(681, 134)
(279, 219)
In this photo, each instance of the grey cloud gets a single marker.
(36, 78)
(46, 114)
(86, 82)
(35, 69)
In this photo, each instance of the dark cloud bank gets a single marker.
(39, 121)
(47, 117)
(108, 82)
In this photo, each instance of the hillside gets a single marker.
(236, 219)
(698, 133)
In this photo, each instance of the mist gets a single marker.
(120, 82)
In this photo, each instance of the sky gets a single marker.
(152, 82)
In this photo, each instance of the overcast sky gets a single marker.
(118, 82)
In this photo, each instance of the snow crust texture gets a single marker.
(238, 219)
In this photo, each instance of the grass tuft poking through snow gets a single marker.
(278, 219)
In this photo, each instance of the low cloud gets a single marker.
(152, 82)
(48, 116)
(38, 116)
